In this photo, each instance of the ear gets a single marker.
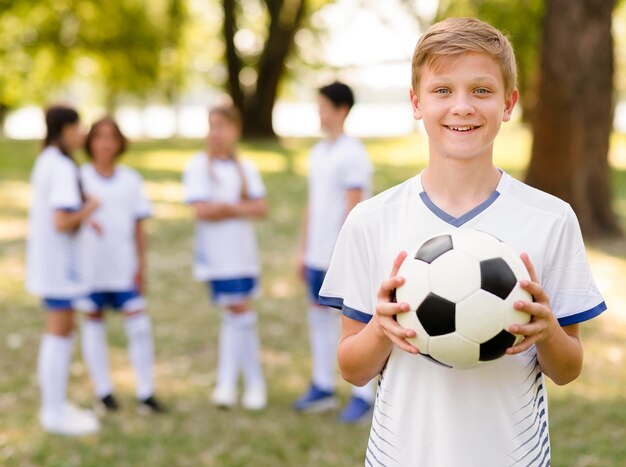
(509, 105)
(415, 103)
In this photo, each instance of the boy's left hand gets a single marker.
(543, 324)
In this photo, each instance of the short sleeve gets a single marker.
(357, 169)
(256, 188)
(64, 190)
(349, 284)
(144, 206)
(574, 296)
(195, 183)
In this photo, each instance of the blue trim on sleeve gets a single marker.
(583, 316)
(356, 314)
(66, 209)
(332, 302)
(198, 200)
(336, 302)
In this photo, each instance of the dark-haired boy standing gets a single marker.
(339, 177)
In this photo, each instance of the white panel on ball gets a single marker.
(454, 350)
(417, 283)
(478, 244)
(515, 263)
(480, 316)
(454, 276)
(513, 316)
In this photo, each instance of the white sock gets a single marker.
(247, 338)
(367, 392)
(55, 353)
(229, 352)
(96, 355)
(141, 352)
(324, 326)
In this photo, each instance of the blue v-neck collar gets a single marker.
(468, 216)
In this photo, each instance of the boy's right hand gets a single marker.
(386, 309)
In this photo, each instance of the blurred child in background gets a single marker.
(227, 195)
(339, 177)
(57, 211)
(116, 258)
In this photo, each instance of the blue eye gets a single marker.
(442, 91)
(482, 91)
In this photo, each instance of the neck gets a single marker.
(104, 169)
(459, 186)
(334, 134)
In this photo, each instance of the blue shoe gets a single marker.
(357, 411)
(316, 400)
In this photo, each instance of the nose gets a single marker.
(462, 105)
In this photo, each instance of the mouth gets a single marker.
(462, 128)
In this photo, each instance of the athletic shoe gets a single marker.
(357, 411)
(107, 404)
(254, 398)
(224, 398)
(316, 400)
(150, 406)
(71, 421)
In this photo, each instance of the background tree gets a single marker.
(572, 121)
(258, 42)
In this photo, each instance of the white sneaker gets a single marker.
(223, 397)
(71, 421)
(254, 398)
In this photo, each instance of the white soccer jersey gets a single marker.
(111, 257)
(334, 167)
(492, 415)
(53, 265)
(224, 249)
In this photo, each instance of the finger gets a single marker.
(529, 267)
(390, 309)
(388, 286)
(536, 309)
(523, 346)
(403, 344)
(397, 263)
(536, 290)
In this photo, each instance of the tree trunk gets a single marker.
(572, 121)
(257, 104)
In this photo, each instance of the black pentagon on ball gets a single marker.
(495, 347)
(496, 277)
(434, 248)
(437, 315)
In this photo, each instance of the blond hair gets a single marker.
(232, 114)
(454, 36)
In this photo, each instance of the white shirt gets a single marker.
(53, 265)
(111, 256)
(492, 415)
(224, 249)
(334, 167)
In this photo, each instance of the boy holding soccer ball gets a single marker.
(463, 88)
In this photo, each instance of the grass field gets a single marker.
(588, 417)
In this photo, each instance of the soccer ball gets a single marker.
(461, 286)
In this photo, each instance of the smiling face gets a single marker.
(462, 102)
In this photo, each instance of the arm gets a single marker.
(249, 208)
(302, 245)
(353, 197)
(364, 348)
(559, 349)
(140, 246)
(69, 221)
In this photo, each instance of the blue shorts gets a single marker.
(127, 301)
(58, 304)
(314, 280)
(233, 291)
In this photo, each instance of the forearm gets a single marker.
(561, 356)
(140, 245)
(364, 353)
(69, 221)
(250, 208)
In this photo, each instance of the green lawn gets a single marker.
(588, 417)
